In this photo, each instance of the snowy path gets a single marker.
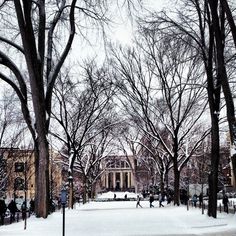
(124, 219)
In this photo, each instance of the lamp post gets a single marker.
(63, 202)
(188, 182)
(25, 175)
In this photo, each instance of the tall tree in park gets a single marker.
(161, 92)
(158, 159)
(195, 21)
(84, 113)
(218, 11)
(38, 36)
(129, 139)
(33, 65)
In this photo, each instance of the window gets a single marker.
(19, 184)
(126, 164)
(122, 164)
(19, 167)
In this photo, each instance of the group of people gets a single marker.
(3, 208)
(13, 210)
(151, 200)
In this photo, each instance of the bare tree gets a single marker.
(86, 116)
(157, 158)
(194, 21)
(161, 91)
(32, 24)
(91, 159)
(34, 37)
(128, 144)
(218, 11)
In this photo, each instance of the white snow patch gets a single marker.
(122, 218)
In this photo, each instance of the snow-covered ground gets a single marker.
(120, 218)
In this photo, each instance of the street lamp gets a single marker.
(25, 189)
(63, 202)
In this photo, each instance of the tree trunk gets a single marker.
(167, 179)
(162, 182)
(176, 184)
(228, 95)
(42, 178)
(85, 190)
(71, 194)
(230, 19)
(218, 25)
(213, 176)
(214, 102)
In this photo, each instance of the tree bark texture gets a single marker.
(176, 185)
(227, 92)
(218, 16)
(42, 179)
(213, 175)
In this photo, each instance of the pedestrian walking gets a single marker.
(225, 201)
(169, 199)
(13, 209)
(160, 200)
(138, 202)
(151, 200)
(3, 209)
(194, 199)
(32, 206)
(200, 197)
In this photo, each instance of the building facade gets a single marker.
(118, 174)
(19, 174)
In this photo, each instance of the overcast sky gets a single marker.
(121, 32)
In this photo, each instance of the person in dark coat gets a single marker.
(169, 199)
(200, 197)
(151, 200)
(160, 200)
(3, 209)
(32, 206)
(194, 199)
(138, 202)
(13, 209)
(225, 203)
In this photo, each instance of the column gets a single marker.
(128, 179)
(121, 180)
(114, 180)
(131, 179)
(106, 180)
